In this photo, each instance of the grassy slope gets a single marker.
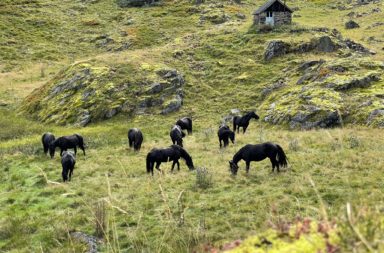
(344, 163)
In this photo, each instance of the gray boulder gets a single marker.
(325, 44)
(351, 25)
(134, 3)
(314, 117)
(362, 82)
(374, 115)
(173, 105)
(276, 48)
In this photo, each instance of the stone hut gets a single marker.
(273, 12)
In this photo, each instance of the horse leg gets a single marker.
(220, 142)
(64, 174)
(70, 174)
(173, 165)
(75, 150)
(178, 165)
(273, 165)
(151, 168)
(244, 129)
(247, 164)
(61, 151)
(158, 166)
(130, 143)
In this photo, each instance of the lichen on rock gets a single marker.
(88, 92)
(322, 94)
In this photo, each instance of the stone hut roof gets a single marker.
(269, 4)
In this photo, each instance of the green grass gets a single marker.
(144, 213)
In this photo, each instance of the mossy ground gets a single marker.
(224, 69)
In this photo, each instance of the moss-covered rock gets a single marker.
(328, 93)
(304, 236)
(87, 92)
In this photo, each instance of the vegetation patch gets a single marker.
(88, 92)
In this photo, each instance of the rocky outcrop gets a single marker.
(351, 25)
(321, 44)
(329, 93)
(276, 48)
(134, 3)
(215, 17)
(89, 240)
(355, 82)
(85, 93)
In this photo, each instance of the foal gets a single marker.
(135, 138)
(177, 135)
(243, 121)
(68, 162)
(224, 134)
(173, 153)
(46, 139)
(185, 123)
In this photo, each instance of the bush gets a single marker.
(353, 142)
(203, 178)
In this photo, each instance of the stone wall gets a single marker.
(280, 18)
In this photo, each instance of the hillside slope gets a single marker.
(324, 80)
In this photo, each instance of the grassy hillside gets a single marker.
(224, 68)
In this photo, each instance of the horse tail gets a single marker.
(81, 140)
(282, 158)
(234, 123)
(190, 126)
(149, 163)
(138, 140)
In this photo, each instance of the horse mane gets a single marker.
(184, 154)
(238, 156)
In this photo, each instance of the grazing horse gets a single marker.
(173, 153)
(68, 162)
(243, 121)
(135, 138)
(224, 134)
(66, 142)
(185, 123)
(177, 135)
(46, 139)
(259, 152)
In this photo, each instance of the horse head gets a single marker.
(233, 167)
(254, 115)
(232, 137)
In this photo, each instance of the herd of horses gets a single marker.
(156, 156)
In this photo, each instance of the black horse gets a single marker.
(177, 135)
(224, 134)
(243, 121)
(135, 138)
(68, 162)
(185, 123)
(46, 139)
(66, 142)
(259, 152)
(173, 153)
